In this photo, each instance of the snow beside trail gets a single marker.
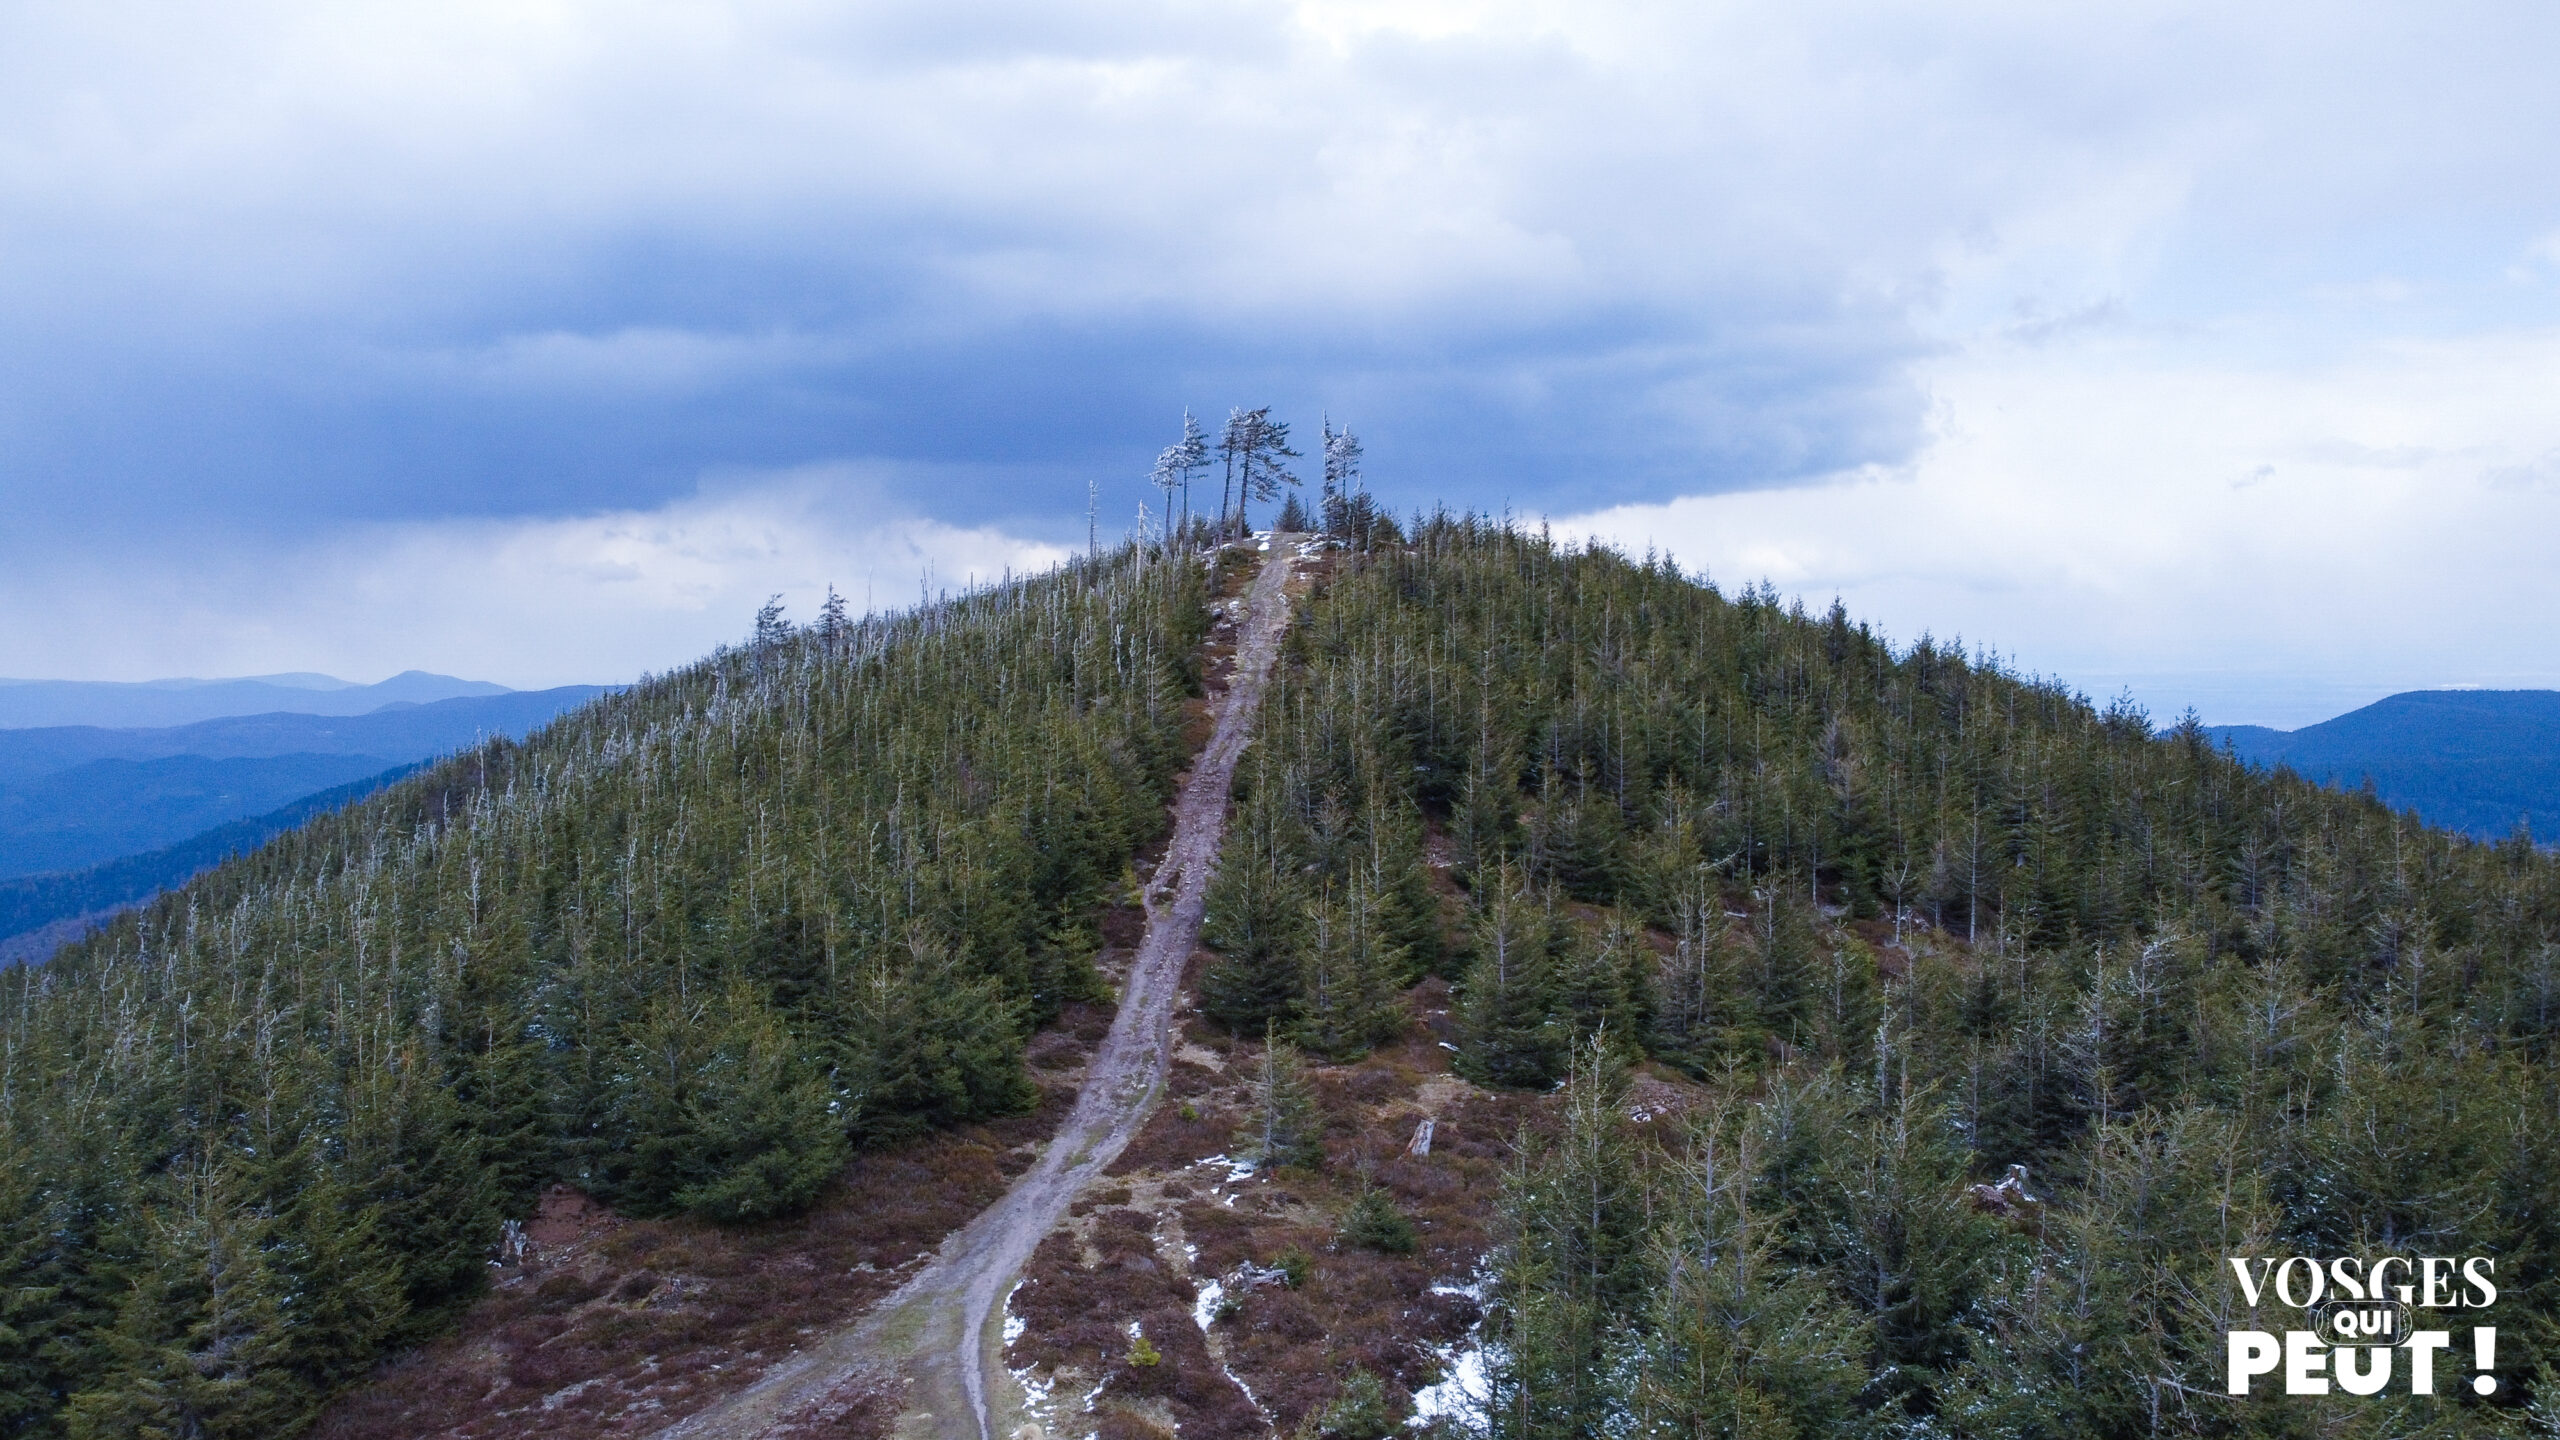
(1204, 1311)
(1462, 1392)
(1037, 1393)
(1466, 1385)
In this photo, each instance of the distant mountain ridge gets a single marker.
(95, 812)
(2478, 761)
(137, 703)
(92, 819)
(40, 913)
(398, 731)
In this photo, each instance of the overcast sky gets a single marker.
(2207, 350)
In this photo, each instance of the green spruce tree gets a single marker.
(1282, 1127)
(1350, 977)
(1508, 1030)
(200, 1345)
(1570, 1227)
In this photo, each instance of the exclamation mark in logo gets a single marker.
(2484, 1351)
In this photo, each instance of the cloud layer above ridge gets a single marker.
(308, 274)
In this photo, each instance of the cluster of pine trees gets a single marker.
(1253, 454)
(683, 948)
(1915, 919)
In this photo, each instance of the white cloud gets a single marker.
(2270, 545)
(1244, 156)
(579, 599)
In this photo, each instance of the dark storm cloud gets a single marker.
(316, 267)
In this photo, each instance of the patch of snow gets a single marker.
(1238, 1171)
(1463, 1391)
(1204, 1310)
(1465, 1387)
(1250, 1398)
(1036, 1392)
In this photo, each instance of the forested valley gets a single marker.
(1890, 919)
(682, 949)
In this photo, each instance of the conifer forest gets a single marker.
(1913, 920)
(2008, 1017)
(682, 949)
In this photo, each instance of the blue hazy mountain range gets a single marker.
(107, 808)
(124, 704)
(400, 731)
(2477, 761)
(72, 796)
(41, 913)
(93, 818)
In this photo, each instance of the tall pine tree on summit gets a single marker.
(1175, 467)
(1255, 449)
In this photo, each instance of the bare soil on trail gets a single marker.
(941, 1331)
(1185, 1245)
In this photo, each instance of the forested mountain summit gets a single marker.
(1888, 920)
(681, 948)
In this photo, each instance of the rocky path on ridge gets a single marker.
(942, 1331)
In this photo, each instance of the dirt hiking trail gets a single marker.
(940, 1330)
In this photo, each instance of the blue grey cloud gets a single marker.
(318, 269)
(283, 268)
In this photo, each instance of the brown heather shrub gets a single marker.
(693, 1299)
(1121, 1425)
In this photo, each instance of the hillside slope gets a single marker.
(41, 913)
(681, 949)
(938, 1333)
(2477, 761)
(1886, 924)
